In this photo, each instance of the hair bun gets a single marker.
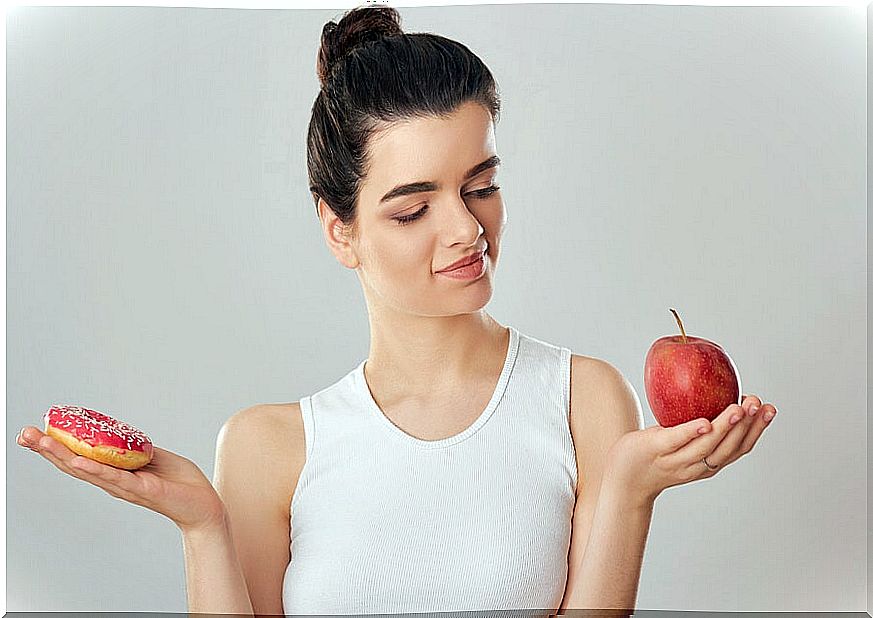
(358, 26)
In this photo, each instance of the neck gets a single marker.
(426, 358)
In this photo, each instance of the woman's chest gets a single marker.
(475, 547)
(442, 524)
(437, 419)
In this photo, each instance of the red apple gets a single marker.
(689, 377)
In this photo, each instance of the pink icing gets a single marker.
(96, 428)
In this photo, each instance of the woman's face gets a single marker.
(451, 214)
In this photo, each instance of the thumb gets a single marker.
(682, 434)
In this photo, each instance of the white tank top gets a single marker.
(383, 522)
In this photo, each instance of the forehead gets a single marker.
(418, 149)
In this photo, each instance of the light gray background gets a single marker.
(165, 262)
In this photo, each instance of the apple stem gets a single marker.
(682, 328)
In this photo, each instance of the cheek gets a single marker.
(404, 251)
(493, 219)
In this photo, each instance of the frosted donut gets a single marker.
(97, 436)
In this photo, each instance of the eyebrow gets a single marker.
(420, 187)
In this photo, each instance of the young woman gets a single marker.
(463, 465)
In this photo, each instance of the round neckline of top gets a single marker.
(375, 410)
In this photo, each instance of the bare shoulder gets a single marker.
(599, 385)
(603, 406)
(278, 425)
(257, 454)
(276, 431)
(271, 416)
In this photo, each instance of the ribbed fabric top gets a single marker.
(384, 522)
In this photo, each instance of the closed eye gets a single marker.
(479, 194)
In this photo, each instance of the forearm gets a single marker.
(213, 575)
(609, 574)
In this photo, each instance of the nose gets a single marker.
(461, 225)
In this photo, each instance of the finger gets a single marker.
(21, 441)
(751, 403)
(123, 482)
(30, 435)
(723, 425)
(109, 479)
(123, 479)
(728, 450)
(105, 477)
(761, 421)
(58, 454)
(93, 472)
(770, 413)
(675, 437)
(47, 444)
(697, 449)
(45, 448)
(29, 445)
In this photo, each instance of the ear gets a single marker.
(336, 236)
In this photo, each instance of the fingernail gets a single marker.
(735, 418)
(752, 410)
(768, 416)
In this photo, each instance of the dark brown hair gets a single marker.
(373, 74)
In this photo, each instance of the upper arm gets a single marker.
(258, 451)
(603, 407)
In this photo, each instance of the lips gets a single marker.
(475, 257)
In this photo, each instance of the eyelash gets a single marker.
(480, 195)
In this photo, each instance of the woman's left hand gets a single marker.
(647, 461)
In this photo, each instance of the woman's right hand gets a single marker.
(169, 484)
